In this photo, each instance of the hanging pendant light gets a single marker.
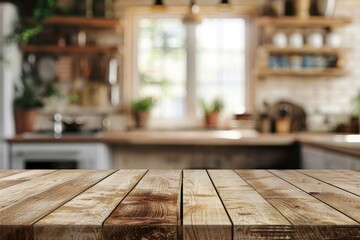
(226, 2)
(158, 4)
(193, 17)
(224, 5)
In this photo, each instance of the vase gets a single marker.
(326, 7)
(302, 8)
(25, 120)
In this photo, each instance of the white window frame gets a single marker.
(131, 78)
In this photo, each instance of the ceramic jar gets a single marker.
(280, 40)
(333, 40)
(296, 40)
(326, 7)
(315, 39)
(302, 8)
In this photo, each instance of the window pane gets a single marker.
(162, 65)
(221, 62)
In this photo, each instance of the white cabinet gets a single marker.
(4, 156)
(338, 161)
(60, 156)
(312, 158)
(319, 158)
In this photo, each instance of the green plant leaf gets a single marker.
(143, 104)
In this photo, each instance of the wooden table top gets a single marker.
(176, 204)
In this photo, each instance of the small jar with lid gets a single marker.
(315, 39)
(296, 39)
(280, 40)
(333, 40)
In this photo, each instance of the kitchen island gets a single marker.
(223, 149)
(179, 204)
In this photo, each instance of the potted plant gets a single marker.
(29, 97)
(141, 110)
(211, 112)
(39, 10)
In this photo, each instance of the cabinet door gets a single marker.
(312, 158)
(338, 161)
(357, 165)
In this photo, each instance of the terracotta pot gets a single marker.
(24, 120)
(211, 119)
(141, 119)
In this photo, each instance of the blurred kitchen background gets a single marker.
(179, 84)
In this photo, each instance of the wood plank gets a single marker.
(343, 201)
(204, 216)
(312, 219)
(84, 22)
(82, 217)
(344, 179)
(11, 195)
(305, 49)
(253, 217)
(150, 211)
(68, 49)
(303, 22)
(309, 73)
(22, 177)
(5, 173)
(18, 219)
(100, 23)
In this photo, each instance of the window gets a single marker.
(181, 64)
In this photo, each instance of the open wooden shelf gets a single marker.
(101, 23)
(329, 72)
(303, 50)
(307, 22)
(67, 49)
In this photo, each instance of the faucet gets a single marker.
(58, 125)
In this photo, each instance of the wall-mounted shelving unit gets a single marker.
(91, 58)
(269, 25)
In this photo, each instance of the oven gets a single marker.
(60, 156)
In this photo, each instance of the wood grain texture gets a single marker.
(17, 220)
(22, 177)
(344, 179)
(215, 204)
(311, 218)
(82, 217)
(253, 217)
(339, 199)
(5, 173)
(150, 211)
(11, 195)
(204, 216)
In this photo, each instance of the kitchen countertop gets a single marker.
(176, 204)
(348, 144)
(206, 137)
